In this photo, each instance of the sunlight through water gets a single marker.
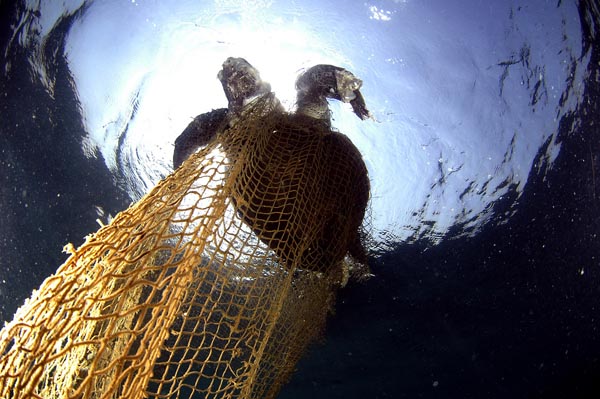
(462, 99)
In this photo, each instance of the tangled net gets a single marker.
(212, 285)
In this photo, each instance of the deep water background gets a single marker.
(486, 276)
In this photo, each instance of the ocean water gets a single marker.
(483, 154)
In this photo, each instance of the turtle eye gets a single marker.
(348, 96)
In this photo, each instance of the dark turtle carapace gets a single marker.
(305, 188)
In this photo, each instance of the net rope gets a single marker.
(212, 285)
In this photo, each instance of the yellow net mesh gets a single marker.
(211, 286)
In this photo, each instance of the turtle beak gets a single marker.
(348, 90)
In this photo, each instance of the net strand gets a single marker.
(212, 285)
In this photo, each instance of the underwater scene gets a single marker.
(441, 160)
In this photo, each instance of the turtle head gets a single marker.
(329, 81)
(241, 82)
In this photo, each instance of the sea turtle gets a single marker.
(242, 84)
(305, 190)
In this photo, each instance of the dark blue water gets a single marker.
(486, 285)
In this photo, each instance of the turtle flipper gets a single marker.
(359, 106)
(197, 134)
(324, 81)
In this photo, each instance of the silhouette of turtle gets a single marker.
(305, 190)
(242, 84)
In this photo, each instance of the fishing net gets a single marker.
(212, 285)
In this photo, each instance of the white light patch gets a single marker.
(380, 15)
(143, 70)
(146, 81)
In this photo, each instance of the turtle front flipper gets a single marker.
(359, 106)
(324, 81)
(197, 134)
